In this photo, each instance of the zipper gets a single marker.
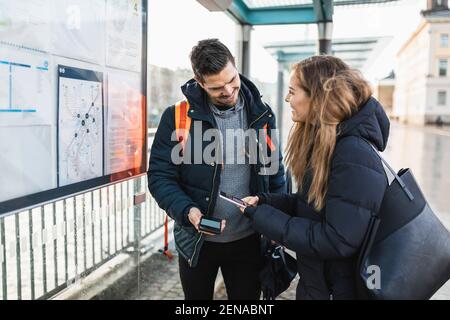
(212, 190)
(195, 249)
(259, 144)
(262, 153)
(258, 118)
(207, 212)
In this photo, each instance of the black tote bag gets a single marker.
(406, 243)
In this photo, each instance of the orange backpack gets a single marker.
(182, 127)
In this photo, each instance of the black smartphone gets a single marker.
(233, 199)
(211, 225)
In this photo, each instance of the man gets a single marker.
(223, 100)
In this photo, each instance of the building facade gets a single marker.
(384, 92)
(422, 93)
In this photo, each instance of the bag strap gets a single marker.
(266, 129)
(182, 127)
(182, 122)
(368, 241)
(392, 171)
(269, 141)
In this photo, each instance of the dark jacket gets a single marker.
(327, 242)
(177, 188)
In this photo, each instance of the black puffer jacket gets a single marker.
(327, 242)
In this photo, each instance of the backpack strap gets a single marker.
(269, 142)
(182, 122)
(182, 127)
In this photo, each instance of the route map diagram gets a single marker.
(80, 125)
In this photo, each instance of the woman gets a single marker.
(340, 179)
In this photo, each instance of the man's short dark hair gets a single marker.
(209, 57)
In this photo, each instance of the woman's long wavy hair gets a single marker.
(336, 92)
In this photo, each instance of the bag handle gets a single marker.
(396, 176)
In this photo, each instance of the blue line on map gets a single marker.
(18, 110)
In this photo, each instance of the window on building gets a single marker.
(444, 40)
(443, 66)
(442, 98)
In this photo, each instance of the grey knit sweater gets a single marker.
(235, 177)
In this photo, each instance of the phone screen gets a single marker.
(211, 223)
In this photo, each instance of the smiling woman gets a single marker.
(341, 180)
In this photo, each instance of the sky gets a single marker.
(176, 25)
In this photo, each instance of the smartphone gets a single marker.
(211, 225)
(233, 199)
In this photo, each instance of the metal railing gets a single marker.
(45, 249)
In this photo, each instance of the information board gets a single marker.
(72, 97)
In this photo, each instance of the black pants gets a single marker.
(240, 262)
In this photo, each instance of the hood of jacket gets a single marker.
(370, 123)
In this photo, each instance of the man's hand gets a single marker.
(252, 201)
(195, 216)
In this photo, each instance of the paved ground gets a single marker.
(160, 280)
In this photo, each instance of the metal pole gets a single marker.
(55, 243)
(323, 10)
(101, 223)
(75, 236)
(137, 233)
(246, 36)
(137, 219)
(66, 255)
(18, 259)
(93, 228)
(280, 102)
(44, 249)
(325, 35)
(30, 222)
(84, 233)
(3, 248)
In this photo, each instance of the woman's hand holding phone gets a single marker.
(251, 201)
